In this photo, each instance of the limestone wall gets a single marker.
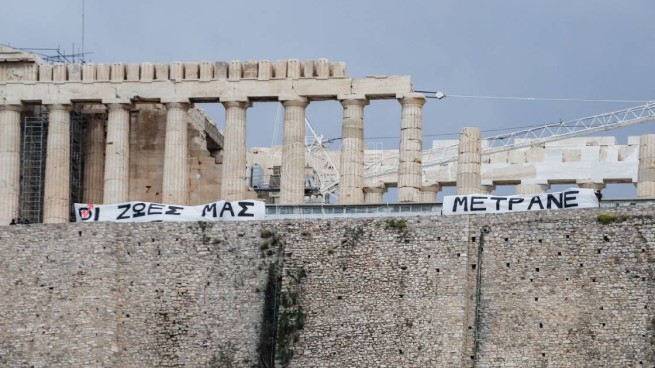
(557, 289)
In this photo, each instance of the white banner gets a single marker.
(480, 203)
(148, 211)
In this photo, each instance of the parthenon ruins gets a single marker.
(143, 139)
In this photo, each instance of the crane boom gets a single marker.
(532, 136)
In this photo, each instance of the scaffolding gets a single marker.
(34, 133)
(77, 134)
(34, 137)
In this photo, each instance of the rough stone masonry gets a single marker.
(569, 288)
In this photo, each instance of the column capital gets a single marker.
(435, 188)
(292, 100)
(59, 106)
(234, 103)
(11, 107)
(353, 99)
(589, 184)
(118, 106)
(411, 98)
(376, 189)
(177, 105)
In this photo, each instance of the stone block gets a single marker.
(235, 70)
(571, 155)
(250, 69)
(103, 72)
(45, 72)
(293, 69)
(147, 72)
(280, 69)
(338, 69)
(59, 72)
(265, 71)
(206, 71)
(133, 71)
(117, 72)
(88, 72)
(74, 72)
(177, 71)
(323, 69)
(161, 71)
(191, 71)
(308, 69)
(221, 70)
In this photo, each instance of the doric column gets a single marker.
(94, 161)
(234, 185)
(531, 188)
(351, 168)
(117, 154)
(375, 194)
(410, 169)
(429, 193)
(56, 192)
(468, 162)
(9, 162)
(646, 173)
(292, 183)
(175, 185)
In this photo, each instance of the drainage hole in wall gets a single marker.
(401, 296)
(531, 280)
(543, 354)
(593, 279)
(458, 255)
(537, 269)
(581, 264)
(79, 233)
(339, 297)
(536, 299)
(567, 236)
(473, 239)
(541, 325)
(507, 264)
(400, 351)
(473, 267)
(567, 279)
(598, 251)
(606, 238)
(438, 238)
(437, 270)
(603, 324)
(428, 256)
(559, 253)
(539, 240)
(506, 239)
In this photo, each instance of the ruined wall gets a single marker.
(147, 138)
(557, 289)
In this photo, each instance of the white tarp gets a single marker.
(482, 203)
(148, 211)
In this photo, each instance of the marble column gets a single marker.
(117, 154)
(531, 188)
(292, 183)
(351, 168)
(429, 193)
(468, 162)
(646, 171)
(410, 168)
(94, 161)
(9, 162)
(175, 184)
(56, 192)
(375, 194)
(234, 186)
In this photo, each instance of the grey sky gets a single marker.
(600, 49)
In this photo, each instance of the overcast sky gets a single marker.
(601, 49)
